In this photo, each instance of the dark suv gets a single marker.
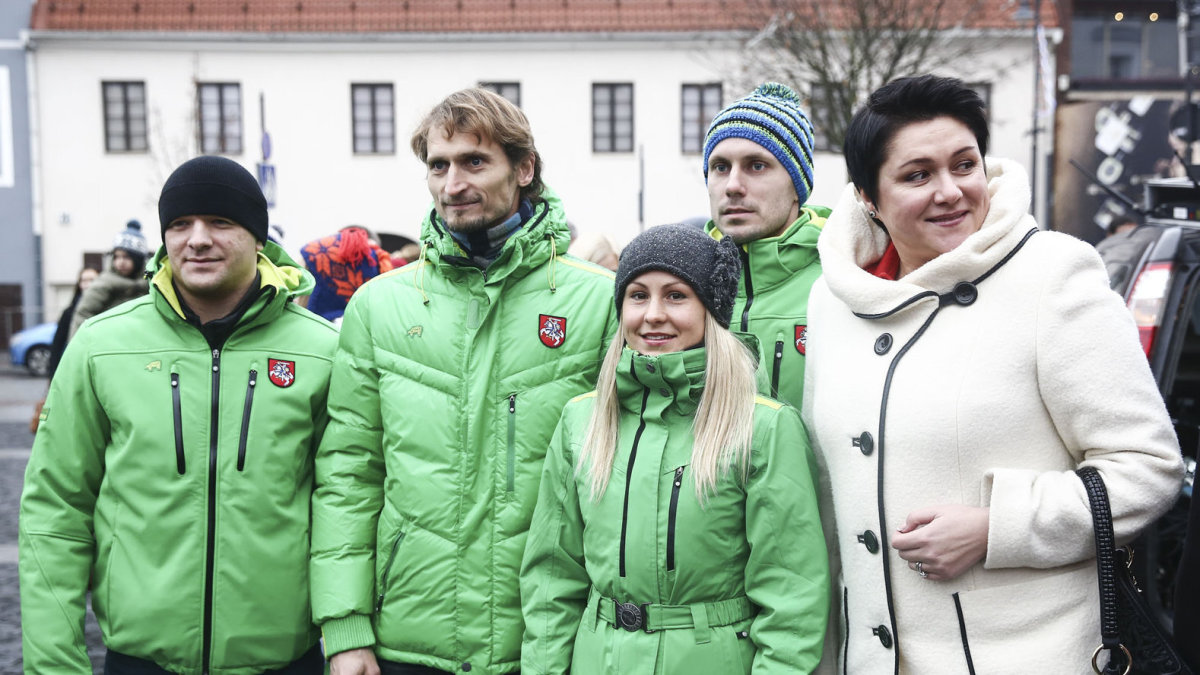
(1156, 268)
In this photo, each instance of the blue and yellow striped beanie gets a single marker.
(771, 117)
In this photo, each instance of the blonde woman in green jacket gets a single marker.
(676, 529)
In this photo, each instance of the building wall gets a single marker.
(87, 195)
(18, 262)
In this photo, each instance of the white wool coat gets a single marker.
(984, 377)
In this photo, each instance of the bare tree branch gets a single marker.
(841, 50)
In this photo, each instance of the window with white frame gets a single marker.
(699, 104)
(612, 117)
(373, 109)
(220, 118)
(509, 90)
(124, 106)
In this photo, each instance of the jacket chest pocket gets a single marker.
(247, 406)
(676, 477)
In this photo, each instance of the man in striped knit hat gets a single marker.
(759, 169)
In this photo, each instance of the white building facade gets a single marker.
(607, 111)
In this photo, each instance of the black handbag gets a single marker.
(1135, 642)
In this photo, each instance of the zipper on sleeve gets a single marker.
(242, 439)
(387, 568)
(177, 414)
(512, 446)
(775, 369)
(675, 484)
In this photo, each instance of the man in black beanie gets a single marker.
(173, 466)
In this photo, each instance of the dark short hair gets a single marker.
(487, 115)
(897, 104)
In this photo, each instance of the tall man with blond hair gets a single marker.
(450, 376)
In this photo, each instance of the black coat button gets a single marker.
(466, 667)
(665, 393)
(965, 293)
(869, 540)
(864, 442)
(883, 343)
(884, 635)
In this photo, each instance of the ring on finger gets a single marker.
(921, 569)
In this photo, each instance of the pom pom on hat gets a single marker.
(131, 239)
(772, 117)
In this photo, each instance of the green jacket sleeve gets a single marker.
(554, 582)
(57, 539)
(787, 573)
(349, 494)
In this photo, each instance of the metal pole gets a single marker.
(1037, 92)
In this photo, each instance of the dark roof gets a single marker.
(454, 16)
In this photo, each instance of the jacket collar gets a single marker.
(671, 381)
(851, 242)
(543, 235)
(280, 279)
(773, 260)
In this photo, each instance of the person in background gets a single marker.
(677, 527)
(1121, 224)
(172, 473)
(341, 263)
(962, 368)
(450, 376)
(121, 282)
(759, 170)
(86, 276)
(594, 247)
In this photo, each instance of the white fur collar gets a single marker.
(851, 241)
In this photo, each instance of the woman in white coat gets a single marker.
(962, 364)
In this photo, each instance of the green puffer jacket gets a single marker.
(745, 577)
(174, 481)
(772, 299)
(448, 383)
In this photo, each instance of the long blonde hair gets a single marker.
(722, 426)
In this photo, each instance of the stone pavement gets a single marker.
(18, 392)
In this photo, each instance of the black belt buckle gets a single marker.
(631, 617)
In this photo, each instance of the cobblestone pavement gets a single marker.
(18, 392)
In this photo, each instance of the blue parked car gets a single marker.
(31, 348)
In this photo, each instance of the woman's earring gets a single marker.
(871, 214)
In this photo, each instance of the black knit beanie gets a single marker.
(214, 186)
(710, 266)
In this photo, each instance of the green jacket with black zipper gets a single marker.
(448, 382)
(772, 298)
(738, 584)
(174, 481)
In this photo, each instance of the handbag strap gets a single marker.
(1110, 637)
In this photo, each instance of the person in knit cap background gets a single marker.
(759, 170)
(122, 281)
(341, 263)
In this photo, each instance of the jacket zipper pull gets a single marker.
(678, 476)
(512, 403)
